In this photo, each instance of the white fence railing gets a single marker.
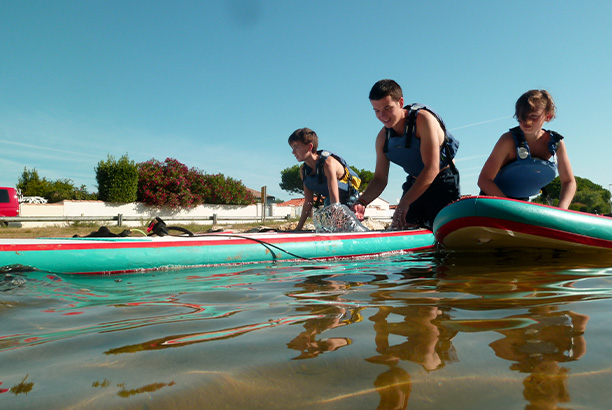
(120, 218)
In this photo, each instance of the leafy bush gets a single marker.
(63, 189)
(222, 190)
(117, 179)
(166, 184)
(172, 184)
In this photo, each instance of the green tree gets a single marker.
(291, 180)
(589, 197)
(365, 175)
(117, 179)
(31, 184)
(64, 189)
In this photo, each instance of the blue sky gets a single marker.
(220, 85)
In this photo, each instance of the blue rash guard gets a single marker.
(405, 150)
(316, 180)
(526, 176)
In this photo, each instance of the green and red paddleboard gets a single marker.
(127, 255)
(484, 223)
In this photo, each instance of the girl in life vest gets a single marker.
(527, 157)
(322, 172)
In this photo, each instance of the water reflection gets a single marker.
(424, 308)
(330, 313)
(377, 331)
(536, 342)
(554, 337)
(426, 342)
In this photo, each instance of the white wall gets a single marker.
(145, 213)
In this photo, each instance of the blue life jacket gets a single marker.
(405, 150)
(317, 181)
(526, 176)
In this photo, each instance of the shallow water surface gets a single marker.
(425, 331)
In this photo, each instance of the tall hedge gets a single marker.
(167, 183)
(174, 185)
(117, 180)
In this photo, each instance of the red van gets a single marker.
(9, 202)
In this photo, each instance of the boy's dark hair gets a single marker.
(532, 100)
(384, 88)
(305, 136)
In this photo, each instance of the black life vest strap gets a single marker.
(410, 131)
(409, 127)
(553, 144)
(451, 162)
(519, 138)
(319, 166)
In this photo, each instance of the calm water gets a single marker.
(420, 331)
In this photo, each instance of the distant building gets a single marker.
(293, 202)
(257, 194)
(378, 207)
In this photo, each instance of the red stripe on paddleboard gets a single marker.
(503, 224)
(188, 242)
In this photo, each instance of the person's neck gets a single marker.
(533, 136)
(311, 160)
(400, 127)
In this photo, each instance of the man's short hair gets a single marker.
(384, 88)
(305, 136)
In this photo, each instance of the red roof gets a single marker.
(293, 202)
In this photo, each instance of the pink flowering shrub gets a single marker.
(172, 184)
(222, 190)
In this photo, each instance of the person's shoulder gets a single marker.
(506, 142)
(554, 135)
(331, 159)
(425, 113)
(426, 117)
(381, 136)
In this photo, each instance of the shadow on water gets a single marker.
(429, 330)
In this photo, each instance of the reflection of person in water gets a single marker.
(394, 387)
(333, 316)
(427, 344)
(554, 337)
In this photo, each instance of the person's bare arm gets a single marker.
(566, 176)
(500, 155)
(379, 182)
